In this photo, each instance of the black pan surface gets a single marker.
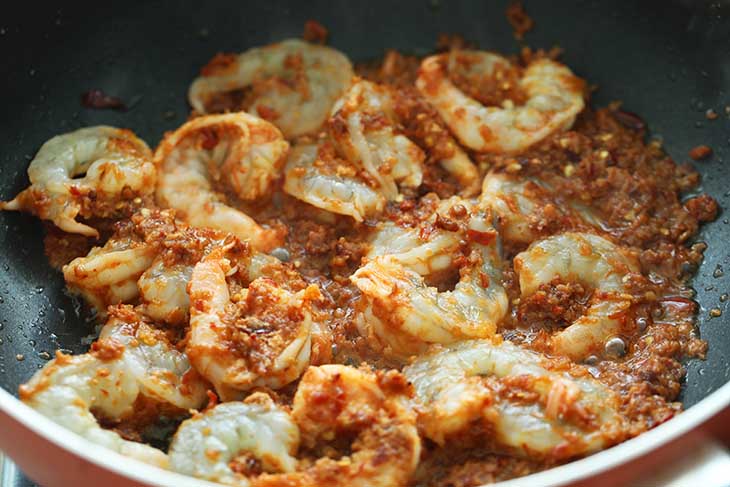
(668, 62)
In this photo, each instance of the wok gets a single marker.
(669, 62)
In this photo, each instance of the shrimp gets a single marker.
(422, 124)
(426, 249)
(108, 275)
(594, 261)
(554, 98)
(149, 256)
(118, 170)
(360, 166)
(163, 373)
(400, 312)
(527, 408)
(516, 201)
(132, 359)
(163, 290)
(335, 401)
(294, 83)
(316, 176)
(362, 128)
(69, 387)
(118, 173)
(206, 445)
(263, 338)
(245, 151)
(461, 167)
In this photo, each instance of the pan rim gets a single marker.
(571, 472)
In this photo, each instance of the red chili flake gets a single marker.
(703, 208)
(315, 32)
(629, 120)
(445, 223)
(267, 113)
(700, 152)
(100, 100)
(519, 20)
(212, 399)
(407, 205)
(484, 238)
(210, 140)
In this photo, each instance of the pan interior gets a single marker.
(667, 62)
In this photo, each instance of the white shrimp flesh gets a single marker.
(262, 338)
(554, 98)
(91, 172)
(528, 409)
(242, 151)
(293, 84)
(206, 445)
(590, 260)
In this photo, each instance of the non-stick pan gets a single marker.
(668, 61)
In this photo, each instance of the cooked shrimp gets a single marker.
(516, 201)
(422, 124)
(527, 408)
(245, 151)
(335, 401)
(401, 313)
(463, 169)
(364, 161)
(426, 248)
(163, 373)
(362, 126)
(131, 359)
(163, 290)
(163, 287)
(108, 275)
(294, 83)
(554, 98)
(593, 261)
(117, 169)
(314, 175)
(69, 387)
(263, 339)
(206, 445)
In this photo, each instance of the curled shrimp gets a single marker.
(206, 445)
(314, 174)
(422, 123)
(526, 408)
(262, 338)
(516, 202)
(150, 256)
(294, 83)
(363, 162)
(400, 312)
(362, 126)
(242, 150)
(593, 261)
(554, 98)
(333, 401)
(132, 359)
(163, 373)
(117, 169)
(69, 387)
(427, 249)
(108, 275)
